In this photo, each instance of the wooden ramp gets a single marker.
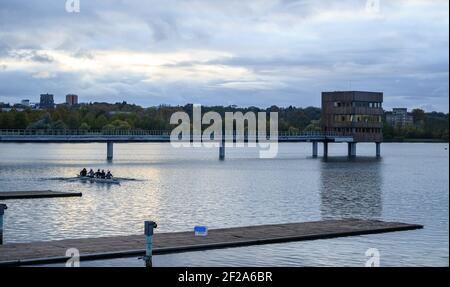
(4, 195)
(134, 245)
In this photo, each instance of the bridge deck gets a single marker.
(74, 136)
(125, 139)
(121, 246)
(4, 195)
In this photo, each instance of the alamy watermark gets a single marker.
(374, 257)
(74, 257)
(73, 6)
(373, 6)
(240, 129)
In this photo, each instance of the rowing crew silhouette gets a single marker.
(97, 174)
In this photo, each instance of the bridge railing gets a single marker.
(71, 132)
(74, 132)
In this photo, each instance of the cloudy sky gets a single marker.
(226, 52)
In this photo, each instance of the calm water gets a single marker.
(180, 188)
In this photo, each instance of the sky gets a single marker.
(225, 52)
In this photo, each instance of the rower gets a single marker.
(98, 173)
(103, 174)
(109, 175)
(83, 172)
(91, 173)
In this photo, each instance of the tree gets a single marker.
(119, 125)
(109, 127)
(100, 122)
(20, 120)
(125, 116)
(445, 135)
(293, 130)
(58, 125)
(314, 126)
(43, 123)
(388, 131)
(6, 120)
(418, 116)
(84, 126)
(73, 121)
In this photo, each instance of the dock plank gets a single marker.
(5, 195)
(133, 245)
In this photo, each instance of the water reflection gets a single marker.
(351, 188)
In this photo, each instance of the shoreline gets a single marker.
(415, 141)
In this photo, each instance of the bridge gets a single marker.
(123, 136)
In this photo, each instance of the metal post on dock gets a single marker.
(378, 149)
(2, 212)
(148, 231)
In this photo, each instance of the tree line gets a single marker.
(432, 125)
(123, 116)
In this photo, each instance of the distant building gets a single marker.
(71, 100)
(399, 117)
(354, 113)
(25, 103)
(46, 101)
(5, 107)
(19, 107)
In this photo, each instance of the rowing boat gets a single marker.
(99, 180)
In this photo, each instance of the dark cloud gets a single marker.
(34, 56)
(83, 54)
(238, 52)
(39, 57)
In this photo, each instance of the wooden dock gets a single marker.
(134, 245)
(4, 195)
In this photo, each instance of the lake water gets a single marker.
(181, 188)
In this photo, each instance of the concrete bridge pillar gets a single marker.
(325, 149)
(378, 149)
(109, 150)
(351, 149)
(222, 150)
(314, 149)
